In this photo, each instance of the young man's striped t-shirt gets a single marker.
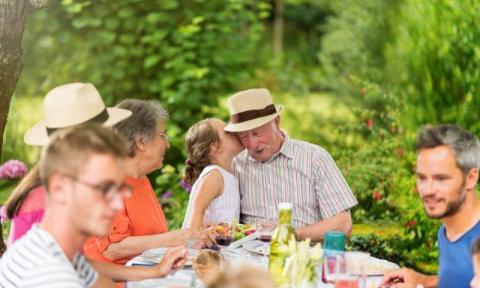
(36, 260)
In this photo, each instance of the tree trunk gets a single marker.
(278, 28)
(12, 22)
(13, 14)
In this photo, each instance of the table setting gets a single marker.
(347, 269)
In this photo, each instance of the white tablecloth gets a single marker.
(239, 256)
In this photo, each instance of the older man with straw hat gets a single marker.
(274, 168)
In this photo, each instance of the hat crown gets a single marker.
(71, 104)
(252, 99)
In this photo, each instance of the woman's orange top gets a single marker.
(142, 215)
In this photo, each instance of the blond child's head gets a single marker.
(476, 264)
(243, 277)
(206, 143)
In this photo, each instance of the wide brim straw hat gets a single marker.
(69, 105)
(250, 109)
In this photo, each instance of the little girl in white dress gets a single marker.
(215, 196)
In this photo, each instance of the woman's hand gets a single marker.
(173, 260)
(201, 238)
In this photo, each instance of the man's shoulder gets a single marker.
(241, 157)
(441, 232)
(29, 258)
(304, 147)
(35, 249)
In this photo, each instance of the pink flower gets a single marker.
(12, 169)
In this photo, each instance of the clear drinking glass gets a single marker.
(266, 225)
(265, 228)
(336, 272)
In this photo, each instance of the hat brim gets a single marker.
(37, 134)
(254, 123)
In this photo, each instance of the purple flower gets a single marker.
(167, 195)
(12, 169)
(186, 186)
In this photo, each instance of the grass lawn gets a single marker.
(381, 229)
(24, 112)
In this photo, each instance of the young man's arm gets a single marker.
(340, 222)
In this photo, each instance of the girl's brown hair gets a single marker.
(21, 192)
(197, 143)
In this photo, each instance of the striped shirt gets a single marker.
(36, 260)
(301, 173)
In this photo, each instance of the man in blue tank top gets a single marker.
(448, 161)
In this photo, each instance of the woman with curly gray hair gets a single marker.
(142, 224)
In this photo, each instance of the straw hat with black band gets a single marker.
(69, 105)
(250, 109)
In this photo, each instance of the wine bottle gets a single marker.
(279, 251)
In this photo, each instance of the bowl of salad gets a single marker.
(226, 233)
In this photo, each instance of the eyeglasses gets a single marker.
(164, 136)
(109, 190)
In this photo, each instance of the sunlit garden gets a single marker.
(359, 78)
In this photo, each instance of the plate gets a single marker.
(373, 267)
(155, 255)
(257, 247)
(242, 241)
(181, 279)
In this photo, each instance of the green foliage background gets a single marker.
(356, 77)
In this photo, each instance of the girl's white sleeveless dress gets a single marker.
(224, 208)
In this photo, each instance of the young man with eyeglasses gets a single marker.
(82, 170)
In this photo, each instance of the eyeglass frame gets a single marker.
(107, 194)
(164, 136)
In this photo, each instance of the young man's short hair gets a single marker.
(69, 149)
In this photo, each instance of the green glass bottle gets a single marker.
(279, 246)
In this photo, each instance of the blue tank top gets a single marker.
(455, 260)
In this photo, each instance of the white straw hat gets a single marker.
(69, 105)
(250, 109)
